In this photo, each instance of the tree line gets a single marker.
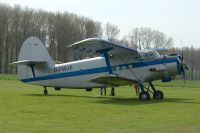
(58, 30)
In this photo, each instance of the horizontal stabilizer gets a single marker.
(112, 80)
(28, 62)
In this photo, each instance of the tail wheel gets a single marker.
(158, 95)
(144, 96)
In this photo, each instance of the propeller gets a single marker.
(184, 67)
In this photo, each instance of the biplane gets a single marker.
(112, 65)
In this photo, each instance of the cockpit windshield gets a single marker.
(150, 54)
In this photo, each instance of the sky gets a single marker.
(179, 19)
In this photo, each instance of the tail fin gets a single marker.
(33, 59)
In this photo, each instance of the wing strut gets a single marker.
(106, 56)
(32, 69)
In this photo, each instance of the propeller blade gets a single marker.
(182, 56)
(184, 77)
(186, 66)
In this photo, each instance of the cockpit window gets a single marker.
(151, 54)
(156, 54)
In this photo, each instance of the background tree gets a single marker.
(146, 38)
(111, 32)
(56, 30)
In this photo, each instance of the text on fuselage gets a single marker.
(62, 68)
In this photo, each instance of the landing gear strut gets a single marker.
(157, 94)
(45, 90)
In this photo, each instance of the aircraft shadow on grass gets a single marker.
(120, 100)
(135, 101)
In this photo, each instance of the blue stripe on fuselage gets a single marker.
(97, 70)
(68, 74)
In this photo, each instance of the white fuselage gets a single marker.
(78, 74)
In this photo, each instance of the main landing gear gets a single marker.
(145, 96)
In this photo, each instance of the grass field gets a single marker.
(24, 109)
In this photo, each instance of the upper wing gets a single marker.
(96, 46)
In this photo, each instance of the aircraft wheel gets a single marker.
(158, 95)
(144, 96)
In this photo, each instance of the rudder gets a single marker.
(33, 53)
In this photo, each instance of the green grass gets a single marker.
(23, 108)
(8, 77)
